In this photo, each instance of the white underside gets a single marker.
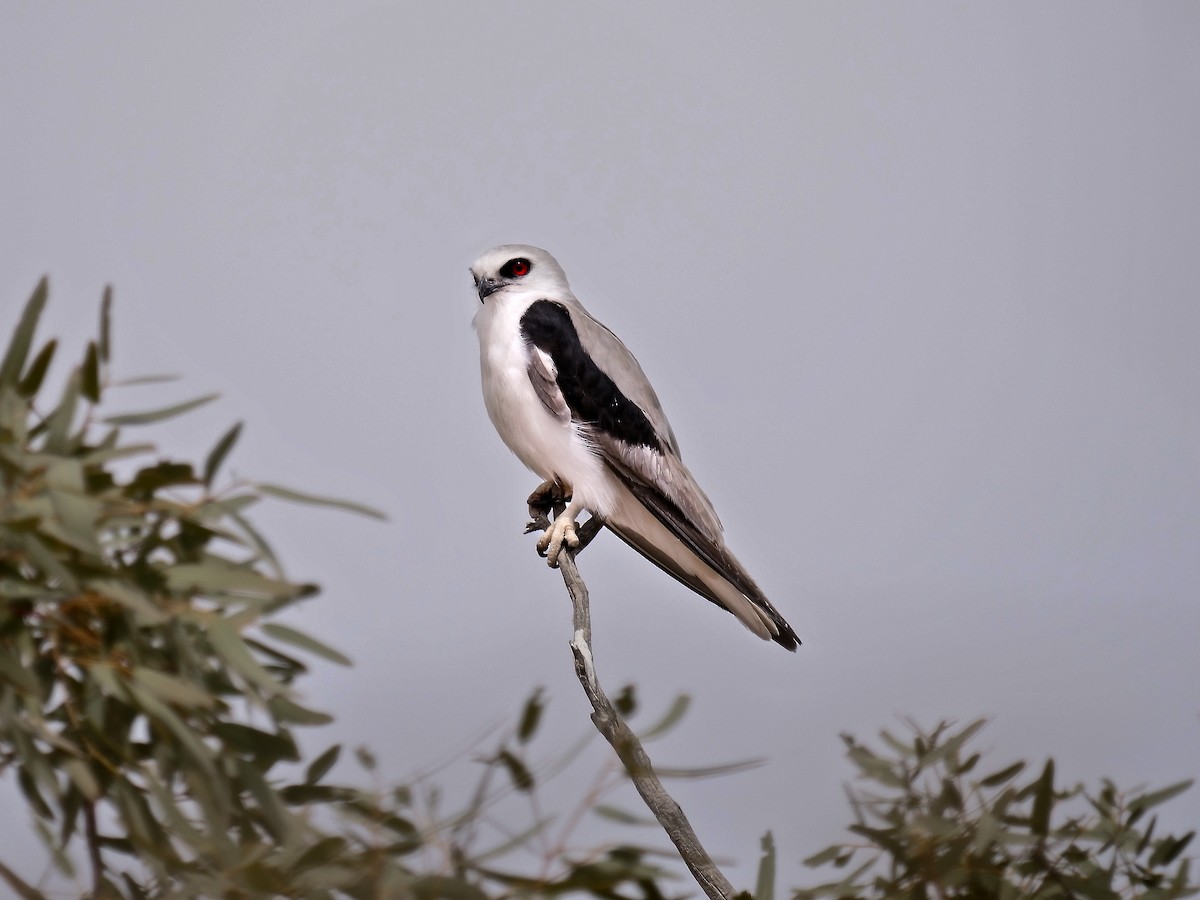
(549, 447)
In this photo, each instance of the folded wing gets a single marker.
(578, 365)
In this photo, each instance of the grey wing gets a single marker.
(664, 485)
(655, 474)
(658, 479)
(543, 376)
(615, 360)
(663, 471)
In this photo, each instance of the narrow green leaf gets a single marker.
(163, 474)
(938, 826)
(106, 324)
(895, 743)
(173, 690)
(146, 379)
(1145, 841)
(320, 766)
(155, 709)
(1182, 879)
(227, 642)
(616, 814)
(77, 770)
(718, 770)
(1043, 801)
(530, 717)
(158, 415)
(64, 474)
(304, 642)
(32, 382)
(36, 763)
(951, 797)
(283, 493)
(47, 561)
(12, 589)
(40, 729)
(58, 423)
(677, 711)
(90, 373)
(1006, 774)
(288, 666)
(522, 778)
(219, 452)
(1146, 801)
(72, 802)
(29, 788)
(877, 769)
(335, 878)
(76, 520)
(16, 674)
(285, 710)
(365, 757)
(303, 794)
(885, 838)
(1170, 850)
(324, 851)
(968, 764)
(135, 815)
(986, 832)
(257, 541)
(229, 506)
(108, 454)
(765, 884)
(827, 855)
(14, 415)
(131, 598)
(106, 677)
(218, 577)
(276, 817)
(175, 819)
(401, 826)
(948, 750)
(22, 339)
(625, 702)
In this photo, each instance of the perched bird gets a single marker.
(574, 406)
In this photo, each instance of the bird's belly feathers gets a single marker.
(549, 447)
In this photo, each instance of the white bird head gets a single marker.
(518, 267)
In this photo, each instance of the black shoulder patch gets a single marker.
(593, 397)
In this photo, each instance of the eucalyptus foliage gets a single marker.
(149, 708)
(930, 824)
(148, 696)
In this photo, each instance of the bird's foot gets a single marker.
(545, 497)
(561, 534)
(537, 523)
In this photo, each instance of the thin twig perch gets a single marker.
(629, 749)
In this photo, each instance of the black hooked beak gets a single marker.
(486, 287)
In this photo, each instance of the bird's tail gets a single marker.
(729, 587)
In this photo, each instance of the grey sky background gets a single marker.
(916, 285)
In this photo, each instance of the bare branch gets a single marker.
(629, 748)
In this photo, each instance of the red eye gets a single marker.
(515, 268)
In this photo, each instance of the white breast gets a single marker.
(549, 447)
